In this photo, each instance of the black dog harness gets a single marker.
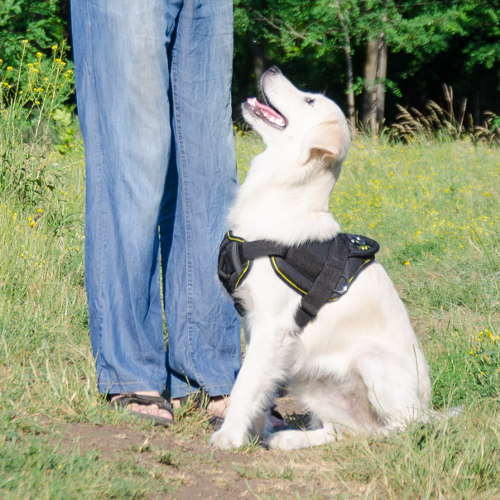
(320, 271)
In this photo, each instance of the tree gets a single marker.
(480, 47)
(288, 31)
(327, 25)
(347, 46)
(409, 48)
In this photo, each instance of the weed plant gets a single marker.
(442, 123)
(33, 119)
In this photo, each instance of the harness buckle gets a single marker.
(357, 240)
(363, 247)
(343, 289)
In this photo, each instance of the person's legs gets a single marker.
(203, 327)
(123, 105)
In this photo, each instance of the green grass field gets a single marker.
(433, 207)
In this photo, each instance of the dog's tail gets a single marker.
(438, 415)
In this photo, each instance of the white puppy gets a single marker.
(357, 367)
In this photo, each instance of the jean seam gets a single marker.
(100, 230)
(181, 166)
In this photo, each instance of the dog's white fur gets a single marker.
(358, 366)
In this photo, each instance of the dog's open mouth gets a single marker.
(266, 112)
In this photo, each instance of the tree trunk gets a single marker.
(369, 93)
(259, 61)
(381, 77)
(374, 90)
(351, 109)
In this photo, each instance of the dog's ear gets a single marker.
(328, 139)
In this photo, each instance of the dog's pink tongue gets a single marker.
(269, 113)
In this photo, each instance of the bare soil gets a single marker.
(183, 461)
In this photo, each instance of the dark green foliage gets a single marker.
(430, 44)
(43, 22)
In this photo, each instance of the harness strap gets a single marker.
(236, 256)
(252, 250)
(322, 287)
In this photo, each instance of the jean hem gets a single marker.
(212, 391)
(113, 388)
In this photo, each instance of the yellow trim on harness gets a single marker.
(239, 240)
(241, 275)
(291, 283)
(367, 261)
(232, 238)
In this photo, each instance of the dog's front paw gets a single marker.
(224, 440)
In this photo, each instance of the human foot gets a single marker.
(215, 406)
(218, 406)
(145, 404)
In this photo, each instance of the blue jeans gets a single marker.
(153, 94)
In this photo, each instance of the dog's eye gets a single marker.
(310, 101)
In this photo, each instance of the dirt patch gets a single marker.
(186, 464)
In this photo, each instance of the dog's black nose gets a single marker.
(275, 70)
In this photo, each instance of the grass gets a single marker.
(434, 209)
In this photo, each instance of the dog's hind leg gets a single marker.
(337, 405)
(295, 439)
(398, 389)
